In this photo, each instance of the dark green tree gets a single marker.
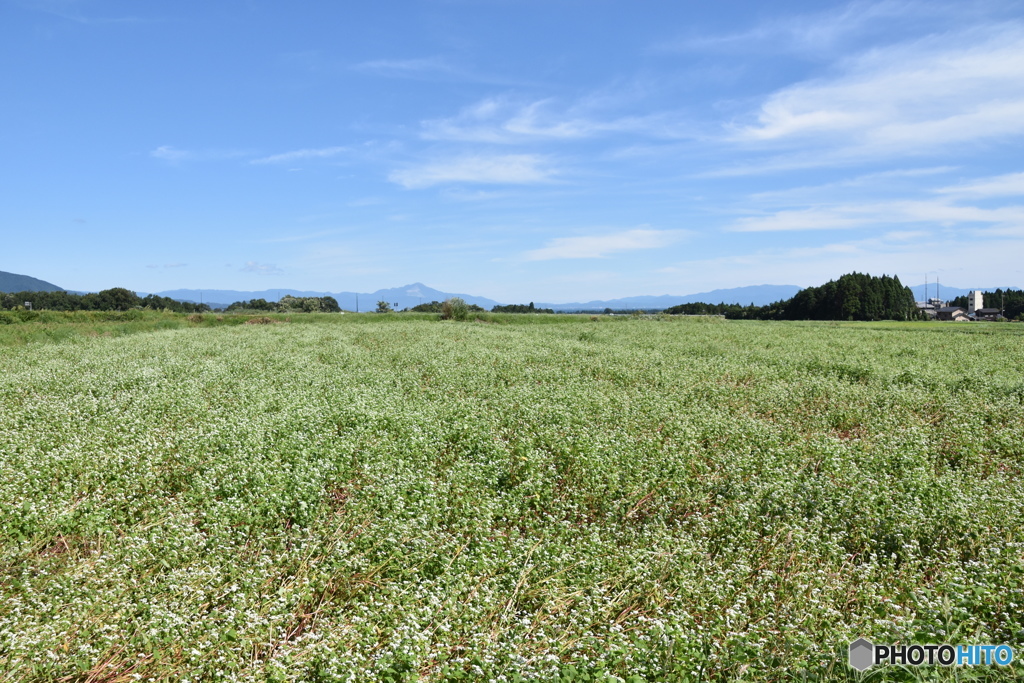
(329, 304)
(432, 307)
(520, 308)
(252, 305)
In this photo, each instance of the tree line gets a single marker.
(121, 299)
(289, 304)
(115, 299)
(520, 308)
(854, 296)
(438, 307)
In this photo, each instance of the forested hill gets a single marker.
(12, 282)
(855, 296)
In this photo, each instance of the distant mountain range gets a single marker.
(759, 295)
(417, 293)
(399, 297)
(12, 282)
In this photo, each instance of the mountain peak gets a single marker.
(12, 282)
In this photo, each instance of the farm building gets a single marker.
(976, 308)
(988, 314)
(954, 313)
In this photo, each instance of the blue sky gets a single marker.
(552, 150)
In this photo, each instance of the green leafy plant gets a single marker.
(454, 309)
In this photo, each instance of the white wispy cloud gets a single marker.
(174, 155)
(300, 237)
(499, 120)
(299, 154)
(599, 246)
(71, 11)
(1000, 220)
(505, 120)
(908, 254)
(428, 69)
(405, 67)
(1009, 185)
(260, 268)
(923, 96)
(872, 182)
(801, 219)
(494, 169)
(168, 153)
(814, 32)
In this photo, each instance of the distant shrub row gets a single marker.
(289, 304)
(116, 299)
(520, 308)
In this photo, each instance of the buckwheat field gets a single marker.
(378, 498)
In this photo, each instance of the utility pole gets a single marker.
(357, 303)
